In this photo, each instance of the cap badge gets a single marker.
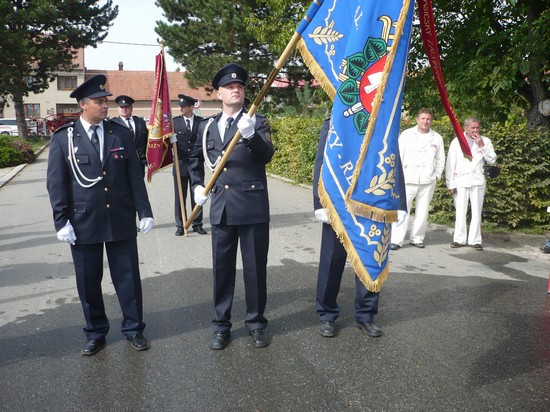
(102, 87)
(233, 75)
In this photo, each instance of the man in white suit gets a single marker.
(466, 181)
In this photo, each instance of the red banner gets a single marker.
(160, 123)
(427, 27)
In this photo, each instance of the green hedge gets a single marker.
(516, 199)
(15, 151)
(295, 140)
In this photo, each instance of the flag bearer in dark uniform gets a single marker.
(332, 262)
(239, 211)
(96, 187)
(136, 124)
(185, 127)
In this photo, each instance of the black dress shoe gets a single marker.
(199, 230)
(92, 346)
(326, 328)
(369, 328)
(138, 342)
(179, 231)
(456, 245)
(259, 338)
(394, 246)
(477, 246)
(219, 340)
(418, 245)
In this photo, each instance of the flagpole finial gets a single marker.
(161, 42)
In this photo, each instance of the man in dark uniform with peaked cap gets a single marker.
(136, 124)
(332, 261)
(239, 211)
(96, 187)
(185, 127)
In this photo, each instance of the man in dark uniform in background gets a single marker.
(136, 124)
(332, 262)
(239, 210)
(185, 127)
(96, 186)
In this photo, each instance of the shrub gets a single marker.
(15, 151)
(295, 140)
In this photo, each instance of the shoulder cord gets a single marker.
(74, 163)
(210, 165)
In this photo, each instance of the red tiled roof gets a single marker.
(140, 84)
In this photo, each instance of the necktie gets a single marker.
(95, 137)
(228, 124)
(188, 124)
(130, 125)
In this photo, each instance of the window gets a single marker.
(66, 82)
(32, 110)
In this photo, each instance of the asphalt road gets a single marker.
(463, 330)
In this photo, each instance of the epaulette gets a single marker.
(208, 118)
(65, 126)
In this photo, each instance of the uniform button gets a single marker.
(225, 169)
(104, 173)
(253, 186)
(227, 186)
(223, 152)
(77, 160)
(106, 189)
(108, 205)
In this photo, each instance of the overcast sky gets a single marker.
(135, 27)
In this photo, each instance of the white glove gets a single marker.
(146, 224)
(66, 233)
(321, 215)
(401, 215)
(246, 126)
(200, 199)
(173, 138)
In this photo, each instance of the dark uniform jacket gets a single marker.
(106, 211)
(141, 134)
(186, 142)
(241, 188)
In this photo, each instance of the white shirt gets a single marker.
(223, 121)
(190, 120)
(422, 156)
(462, 172)
(88, 127)
(125, 120)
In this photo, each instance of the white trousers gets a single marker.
(422, 195)
(474, 195)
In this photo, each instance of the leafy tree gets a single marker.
(203, 36)
(495, 56)
(40, 37)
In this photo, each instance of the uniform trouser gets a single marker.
(124, 267)
(254, 241)
(422, 195)
(474, 195)
(185, 184)
(331, 267)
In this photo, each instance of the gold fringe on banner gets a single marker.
(360, 270)
(316, 70)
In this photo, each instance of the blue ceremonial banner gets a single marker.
(358, 50)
